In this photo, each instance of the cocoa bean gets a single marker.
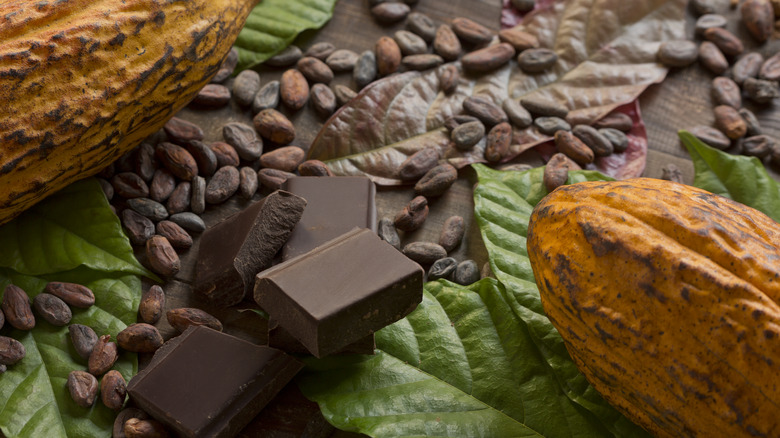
(140, 338)
(107, 188)
(146, 207)
(342, 60)
(343, 94)
(137, 227)
(83, 388)
(442, 268)
(517, 114)
(152, 304)
(273, 178)
(727, 42)
(446, 43)
(315, 70)
(711, 137)
(711, 57)
(247, 184)
(677, 53)
(179, 201)
(83, 339)
(226, 155)
(466, 272)
(671, 172)
(198, 200)
(182, 131)
(245, 86)
(293, 89)
(452, 233)
(212, 96)
(436, 181)
(467, 135)
(182, 318)
(619, 121)
(244, 140)
(726, 92)
(421, 62)
(770, 69)
(228, 66)
(113, 390)
(162, 257)
(708, 21)
(222, 185)
(2, 318)
(753, 125)
(536, 60)
(543, 107)
(551, 125)
(748, 66)
(600, 145)
(323, 100)
(103, 356)
(320, 50)
(189, 221)
(388, 56)
(485, 110)
(618, 138)
(410, 43)
(129, 185)
(16, 308)
(52, 309)
(177, 160)
(488, 59)
(145, 162)
(314, 168)
(124, 415)
(11, 351)
(421, 25)
(176, 235)
(757, 146)
(285, 158)
(498, 139)
(424, 253)
(274, 126)
(418, 164)
(761, 91)
(471, 32)
(137, 428)
(758, 18)
(702, 7)
(387, 232)
(413, 215)
(390, 12)
(286, 57)
(460, 119)
(728, 120)
(267, 97)
(449, 77)
(573, 147)
(556, 172)
(365, 69)
(107, 171)
(163, 184)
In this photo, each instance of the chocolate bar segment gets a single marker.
(335, 205)
(232, 252)
(279, 338)
(341, 291)
(206, 383)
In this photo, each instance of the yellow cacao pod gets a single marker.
(84, 81)
(666, 297)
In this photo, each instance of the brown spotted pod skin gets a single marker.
(667, 299)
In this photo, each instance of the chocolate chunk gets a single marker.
(236, 249)
(224, 380)
(334, 206)
(280, 338)
(341, 291)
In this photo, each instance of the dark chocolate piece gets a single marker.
(334, 205)
(341, 291)
(232, 252)
(205, 383)
(280, 338)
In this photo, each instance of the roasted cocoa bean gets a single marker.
(446, 43)
(163, 183)
(179, 201)
(103, 356)
(149, 428)
(162, 257)
(176, 235)
(226, 154)
(519, 39)
(274, 126)
(182, 131)
(390, 12)
(671, 172)
(619, 121)
(488, 59)
(146, 207)
(471, 32)
(424, 253)
(711, 137)
(452, 233)
(449, 77)
(498, 139)
(413, 215)
(140, 338)
(761, 91)
(189, 221)
(228, 66)
(677, 53)
(551, 125)
(113, 390)
(182, 318)
(145, 161)
(418, 164)
(244, 140)
(285, 158)
(124, 415)
(314, 70)
(293, 89)
(536, 60)
(753, 125)
(422, 25)
(11, 351)
(442, 268)
(460, 119)
(343, 94)
(83, 388)
(748, 66)
(129, 185)
(727, 42)
(177, 160)
(726, 92)
(712, 58)
(212, 96)
(107, 188)
(573, 147)
(600, 145)
(556, 172)
(543, 107)
(320, 50)
(323, 100)
(365, 70)
(387, 232)
(410, 43)
(245, 86)
(198, 200)
(388, 56)
(618, 138)
(758, 18)
(436, 181)
(342, 60)
(222, 185)
(16, 308)
(273, 178)
(152, 304)
(757, 146)
(708, 21)
(267, 97)
(83, 339)
(728, 120)
(52, 309)
(247, 183)
(467, 135)
(137, 227)
(422, 62)
(770, 69)
(314, 168)
(466, 272)
(485, 110)
(517, 114)
(286, 57)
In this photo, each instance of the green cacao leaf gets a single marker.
(273, 25)
(743, 179)
(71, 236)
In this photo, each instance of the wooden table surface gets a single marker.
(682, 101)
